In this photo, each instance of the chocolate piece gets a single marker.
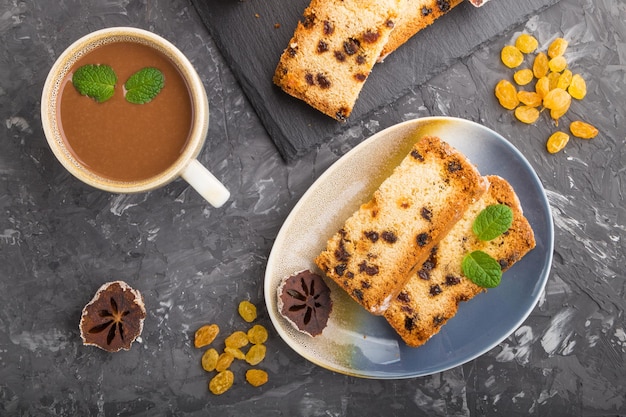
(304, 300)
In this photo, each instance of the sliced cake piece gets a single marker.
(432, 295)
(333, 50)
(387, 238)
(414, 16)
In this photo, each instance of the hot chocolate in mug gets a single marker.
(124, 111)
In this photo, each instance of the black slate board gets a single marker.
(251, 34)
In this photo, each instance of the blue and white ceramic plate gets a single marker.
(360, 344)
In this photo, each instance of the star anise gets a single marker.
(114, 317)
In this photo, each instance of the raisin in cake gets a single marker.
(333, 50)
(387, 238)
(414, 16)
(432, 295)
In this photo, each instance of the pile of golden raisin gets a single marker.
(554, 88)
(212, 360)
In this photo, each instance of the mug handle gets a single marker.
(205, 183)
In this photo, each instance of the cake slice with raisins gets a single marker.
(414, 16)
(389, 237)
(333, 50)
(433, 293)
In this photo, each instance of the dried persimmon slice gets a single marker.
(114, 318)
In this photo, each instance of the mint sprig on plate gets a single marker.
(482, 269)
(144, 85)
(95, 81)
(493, 221)
(478, 266)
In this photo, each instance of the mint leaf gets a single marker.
(482, 269)
(95, 81)
(493, 221)
(144, 85)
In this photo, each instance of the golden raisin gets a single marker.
(526, 114)
(511, 56)
(557, 99)
(257, 334)
(542, 87)
(564, 79)
(205, 335)
(247, 311)
(224, 361)
(557, 141)
(209, 360)
(236, 353)
(553, 80)
(577, 87)
(529, 98)
(236, 340)
(523, 76)
(256, 377)
(558, 112)
(255, 354)
(506, 94)
(526, 43)
(540, 65)
(557, 64)
(583, 130)
(557, 47)
(221, 382)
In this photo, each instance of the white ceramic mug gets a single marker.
(186, 166)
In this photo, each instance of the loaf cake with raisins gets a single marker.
(378, 248)
(333, 50)
(433, 293)
(414, 16)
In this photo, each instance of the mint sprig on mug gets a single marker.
(95, 81)
(144, 85)
(98, 82)
(480, 267)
